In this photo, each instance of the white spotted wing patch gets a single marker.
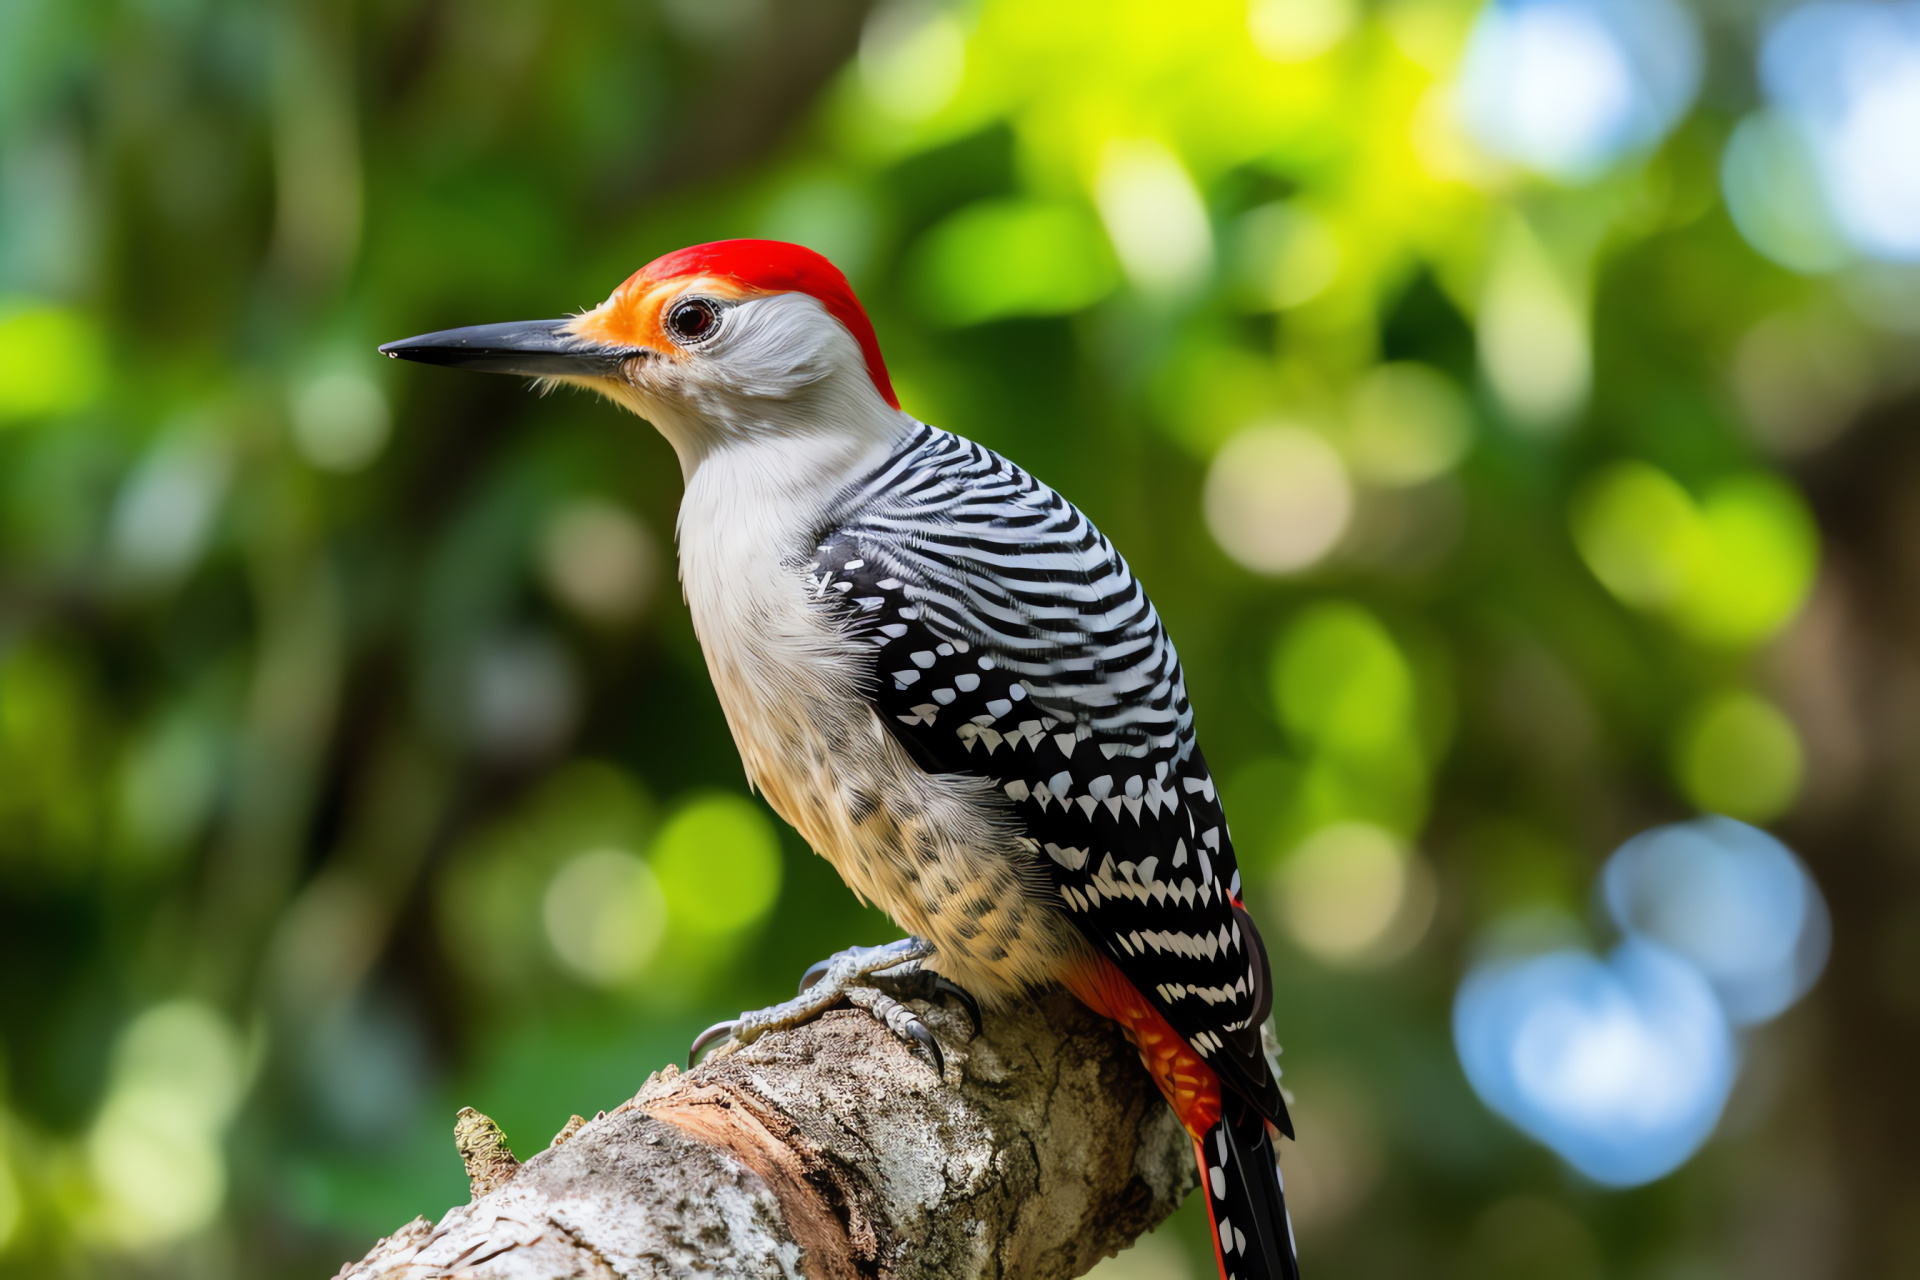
(1009, 640)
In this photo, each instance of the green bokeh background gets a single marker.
(357, 761)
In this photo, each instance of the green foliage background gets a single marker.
(357, 760)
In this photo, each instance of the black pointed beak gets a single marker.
(531, 348)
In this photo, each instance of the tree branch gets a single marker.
(830, 1152)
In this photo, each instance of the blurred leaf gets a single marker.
(1640, 534)
(1340, 682)
(1012, 258)
(51, 361)
(1731, 570)
(1761, 551)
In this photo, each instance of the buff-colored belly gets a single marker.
(941, 853)
(934, 852)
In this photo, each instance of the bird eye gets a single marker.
(693, 319)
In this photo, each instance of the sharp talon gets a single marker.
(948, 987)
(717, 1031)
(921, 1035)
(815, 971)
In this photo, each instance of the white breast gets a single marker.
(937, 853)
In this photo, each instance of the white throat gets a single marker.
(752, 509)
(755, 499)
(757, 494)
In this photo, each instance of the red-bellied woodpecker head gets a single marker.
(734, 339)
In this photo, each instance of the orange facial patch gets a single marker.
(1189, 1084)
(632, 316)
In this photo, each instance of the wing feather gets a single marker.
(1010, 641)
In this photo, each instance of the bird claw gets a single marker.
(948, 987)
(922, 1036)
(900, 1020)
(872, 978)
(718, 1031)
(815, 971)
(921, 983)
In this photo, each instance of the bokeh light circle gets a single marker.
(1407, 424)
(598, 560)
(1288, 31)
(1770, 176)
(341, 421)
(1342, 889)
(718, 860)
(1738, 754)
(1730, 569)
(604, 916)
(1733, 901)
(156, 1148)
(1847, 75)
(50, 361)
(1621, 1066)
(1566, 87)
(1278, 498)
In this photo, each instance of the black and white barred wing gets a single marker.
(1011, 641)
(987, 552)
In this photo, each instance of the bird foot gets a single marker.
(909, 981)
(877, 979)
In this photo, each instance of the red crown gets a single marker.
(779, 267)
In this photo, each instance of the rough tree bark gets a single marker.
(831, 1152)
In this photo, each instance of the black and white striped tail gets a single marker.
(1239, 1175)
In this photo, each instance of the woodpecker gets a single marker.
(950, 683)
